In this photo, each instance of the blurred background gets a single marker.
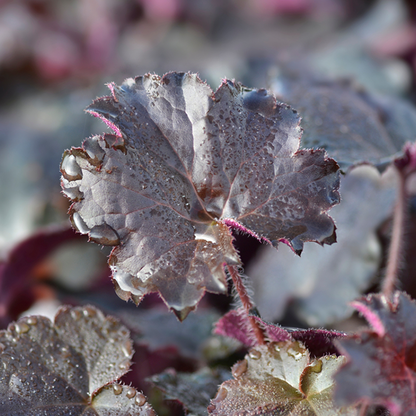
(56, 56)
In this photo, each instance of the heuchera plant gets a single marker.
(182, 169)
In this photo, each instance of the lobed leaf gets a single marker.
(381, 366)
(183, 166)
(193, 390)
(235, 324)
(69, 367)
(353, 125)
(350, 265)
(187, 337)
(279, 378)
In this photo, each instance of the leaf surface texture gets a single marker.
(280, 379)
(184, 166)
(69, 367)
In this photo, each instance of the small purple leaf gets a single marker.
(381, 366)
(193, 390)
(319, 342)
(235, 324)
(280, 379)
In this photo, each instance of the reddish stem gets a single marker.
(396, 243)
(247, 303)
(363, 409)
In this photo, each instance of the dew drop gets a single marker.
(131, 392)
(221, 395)
(124, 365)
(239, 368)
(140, 399)
(79, 223)
(105, 235)
(32, 320)
(22, 327)
(76, 314)
(89, 312)
(316, 366)
(73, 192)
(277, 348)
(94, 150)
(65, 352)
(124, 280)
(70, 168)
(295, 354)
(254, 354)
(117, 389)
(127, 348)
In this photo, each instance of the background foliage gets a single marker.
(56, 56)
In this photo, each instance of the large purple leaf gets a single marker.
(350, 265)
(67, 367)
(184, 165)
(381, 366)
(353, 125)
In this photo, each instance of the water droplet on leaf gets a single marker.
(239, 368)
(131, 392)
(22, 327)
(140, 399)
(117, 389)
(105, 235)
(79, 223)
(70, 168)
(254, 354)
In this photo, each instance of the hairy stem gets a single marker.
(396, 243)
(247, 302)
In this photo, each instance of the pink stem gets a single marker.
(247, 303)
(396, 243)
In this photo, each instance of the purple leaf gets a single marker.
(350, 265)
(319, 342)
(381, 367)
(69, 367)
(188, 336)
(16, 276)
(280, 379)
(184, 165)
(193, 390)
(353, 125)
(235, 324)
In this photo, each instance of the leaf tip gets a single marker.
(181, 314)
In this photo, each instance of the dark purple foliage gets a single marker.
(280, 379)
(381, 367)
(184, 165)
(353, 125)
(67, 367)
(235, 324)
(17, 270)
